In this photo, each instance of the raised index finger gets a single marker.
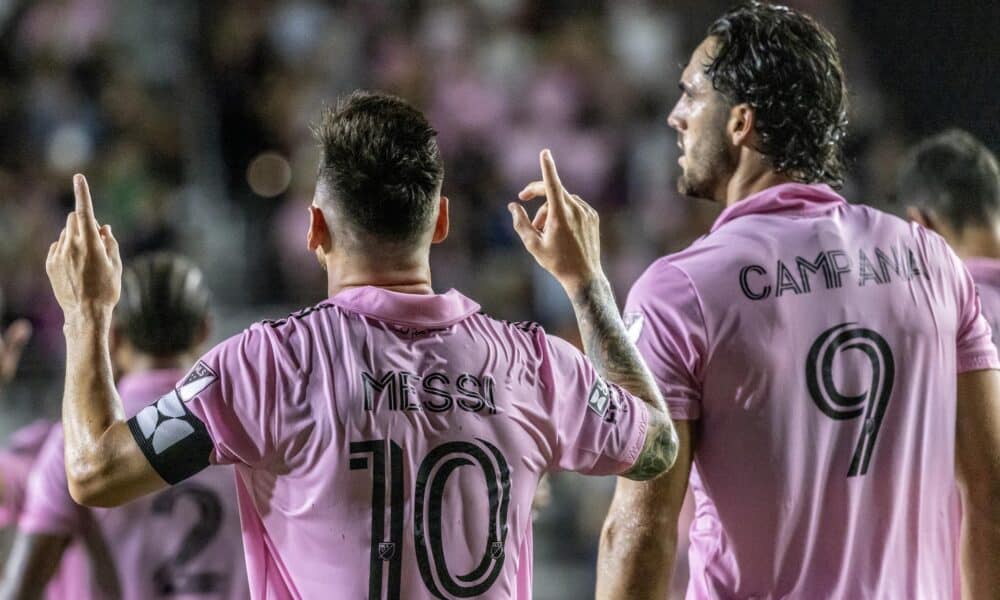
(84, 205)
(553, 187)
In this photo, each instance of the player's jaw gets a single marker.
(705, 162)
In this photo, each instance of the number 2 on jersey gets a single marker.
(386, 464)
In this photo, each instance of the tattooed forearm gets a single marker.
(606, 342)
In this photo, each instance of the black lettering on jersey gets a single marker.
(805, 267)
(446, 401)
(916, 267)
(174, 441)
(375, 387)
(745, 284)
(885, 263)
(786, 281)
(471, 388)
(405, 391)
(866, 270)
(839, 269)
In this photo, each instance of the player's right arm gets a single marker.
(978, 470)
(565, 239)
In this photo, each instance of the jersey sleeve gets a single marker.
(975, 349)
(49, 508)
(665, 320)
(597, 428)
(226, 410)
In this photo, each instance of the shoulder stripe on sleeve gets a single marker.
(175, 442)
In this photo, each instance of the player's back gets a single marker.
(183, 542)
(403, 438)
(828, 347)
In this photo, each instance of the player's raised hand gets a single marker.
(564, 236)
(83, 265)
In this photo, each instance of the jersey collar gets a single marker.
(984, 270)
(411, 310)
(797, 199)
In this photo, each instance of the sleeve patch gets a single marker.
(599, 398)
(198, 378)
(633, 325)
(174, 441)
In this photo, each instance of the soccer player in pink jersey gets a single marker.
(950, 183)
(184, 542)
(388, 440)
(16, 460)
(828, 365)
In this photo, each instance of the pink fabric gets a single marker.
(374, 393)
(72, 579)
(143, 539)
(15, 466)
(797, 306)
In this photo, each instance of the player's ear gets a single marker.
(740, 125)
(442, 224)
(319, 232)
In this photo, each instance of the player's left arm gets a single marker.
(33, 560)
(104, 464)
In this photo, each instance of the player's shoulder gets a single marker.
(668, 277)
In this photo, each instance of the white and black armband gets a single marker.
(174, 440)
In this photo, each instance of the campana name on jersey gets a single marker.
(436, 392)
(831, 269)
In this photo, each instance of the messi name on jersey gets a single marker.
(831, 269)
(436, 392)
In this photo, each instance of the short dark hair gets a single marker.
(785, 66)
(381, 161)
(164, 304)
(955, 175)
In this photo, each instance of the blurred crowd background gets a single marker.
(192, 121)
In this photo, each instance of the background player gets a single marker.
(348, 420)
(950, 184)
(809, 349)
(183, 542)
(16, 460)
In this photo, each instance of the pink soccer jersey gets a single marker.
(184, 542)
(986, 273)
(817, 345)
(388, 445)
(17, 459)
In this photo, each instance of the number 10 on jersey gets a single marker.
(384, 458)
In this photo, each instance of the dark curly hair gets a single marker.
(382, 163)
(786, 67)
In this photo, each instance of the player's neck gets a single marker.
(749, 178)
(409, 276)
(981, 242)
